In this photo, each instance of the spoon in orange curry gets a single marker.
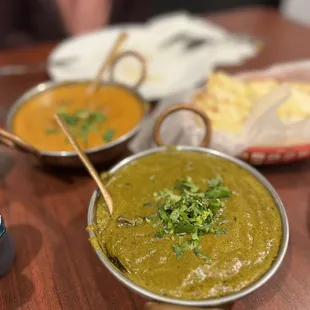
(92, 171)
(91, 89)
(107, 62)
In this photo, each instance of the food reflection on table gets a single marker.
(109, 113)
(188, 225)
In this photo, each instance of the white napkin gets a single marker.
(171, 67)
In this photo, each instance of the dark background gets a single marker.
(141, 10)
(27, 22)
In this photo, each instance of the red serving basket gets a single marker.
(276, 155)
(271, 155)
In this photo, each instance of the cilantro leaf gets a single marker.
(200, 255)
(108, 135)
(219, 231)
(51, 131)
(83, 113)
(217, 181)
(150, 217)
(218, 192)
(195, 236)
(189, 212)
(187, 185)
(82, 121)
(177, 250)
(175, 214)
(185, 228)
(160, 233)
(157, 223)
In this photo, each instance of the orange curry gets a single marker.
(95, 120)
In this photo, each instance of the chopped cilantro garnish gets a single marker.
(108, 135)
(189, 212)
(160, 233)
(81, 122)
(150, 217)
(51, 131)
(177, 250)
(219, 231)
(218, 192)
(204, 257)
(157, 223)
(217, 181)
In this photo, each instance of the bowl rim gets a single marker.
(212, 302)
(48, 85)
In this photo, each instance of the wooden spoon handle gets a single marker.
(14, 142)
(178, 107)
(92, 171)
(121, 38)
(139, 57)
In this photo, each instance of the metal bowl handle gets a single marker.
(14, 142)
(139, 57)
(178, 107)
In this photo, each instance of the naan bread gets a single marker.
(228, 100)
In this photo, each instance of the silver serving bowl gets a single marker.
(214, 302)
(100, 154)
(96, 155)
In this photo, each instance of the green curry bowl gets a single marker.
(190, 226)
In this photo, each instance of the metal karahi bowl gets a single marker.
(100, 154)
(214, 302)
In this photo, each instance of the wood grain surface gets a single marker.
(45, 211)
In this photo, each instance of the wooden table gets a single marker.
(55, 267)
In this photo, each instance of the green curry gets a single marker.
(232, 234)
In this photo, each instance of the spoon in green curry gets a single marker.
(92, 171)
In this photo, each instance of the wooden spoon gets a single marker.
(93, 86)
(92, 171)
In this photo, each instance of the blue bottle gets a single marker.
(6, 249)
